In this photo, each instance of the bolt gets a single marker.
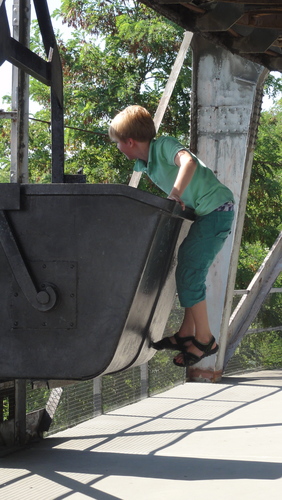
(42, 297)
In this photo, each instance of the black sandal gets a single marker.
(165, 343)
(190, 359)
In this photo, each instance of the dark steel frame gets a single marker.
(47, 72)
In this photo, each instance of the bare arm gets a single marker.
(187, 167)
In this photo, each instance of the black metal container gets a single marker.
(87, 277)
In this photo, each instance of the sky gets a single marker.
(6, 68)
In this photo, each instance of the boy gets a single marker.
(186, 180)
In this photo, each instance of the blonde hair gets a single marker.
(134, 122)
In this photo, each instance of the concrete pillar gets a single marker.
(226, 102)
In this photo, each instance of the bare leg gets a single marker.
(187, 328)
(202, 329)
(188, 324)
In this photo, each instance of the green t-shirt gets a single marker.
(204, 193)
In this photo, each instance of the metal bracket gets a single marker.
(10, 196)
(42, 300)
(63, 316)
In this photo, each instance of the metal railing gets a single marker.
(71, 404)
(74, 403)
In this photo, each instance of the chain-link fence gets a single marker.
(74, 403)
(261, 348)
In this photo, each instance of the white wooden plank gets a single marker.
(136, 176)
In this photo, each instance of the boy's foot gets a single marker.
(195, 352)
(173, 343)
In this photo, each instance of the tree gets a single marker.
(262, 224)
(263, 219)
(120, 53)
(5, 150)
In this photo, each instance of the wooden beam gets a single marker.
(259, 20)
(172, 79)
(257, 42)
(221, 18)
(188, 6)
(136, 176)
(252, 2)
(245, 292)
(261, 3)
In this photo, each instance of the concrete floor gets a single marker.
(197, 441)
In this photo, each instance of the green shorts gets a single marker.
(197, 252)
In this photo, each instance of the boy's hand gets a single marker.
(177, 198)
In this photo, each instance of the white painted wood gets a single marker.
(262, 330)
(136, 176)
(245, 292)
(172, 79)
